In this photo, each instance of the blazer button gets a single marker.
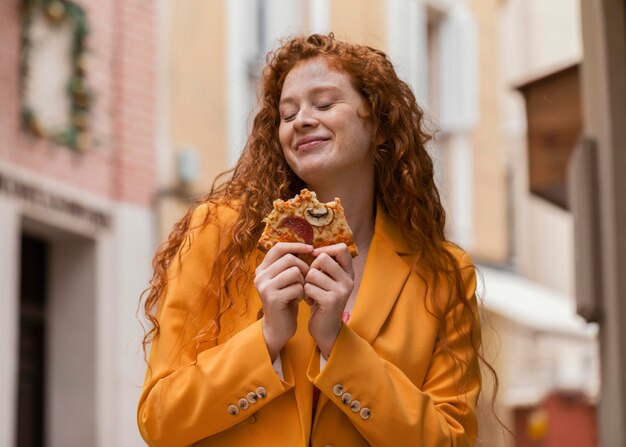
(244, 404)
(355, 406)
(233, 409)
(251, 397)
(365, 413)
(261, 392)
(338, 389)
(346, 398)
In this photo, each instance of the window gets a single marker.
(554, 127)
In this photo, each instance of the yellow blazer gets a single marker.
(387, 381)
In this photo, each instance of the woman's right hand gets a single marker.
(279, 280)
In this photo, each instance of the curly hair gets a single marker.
(404, 182)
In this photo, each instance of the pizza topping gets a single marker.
(319, 215)
(299, 226)
(303, 218)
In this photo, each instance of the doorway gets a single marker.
(31, 415)
(57, 338)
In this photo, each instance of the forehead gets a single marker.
(314, 73)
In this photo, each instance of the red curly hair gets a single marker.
(404, 182)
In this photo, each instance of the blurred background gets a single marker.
(115, 114)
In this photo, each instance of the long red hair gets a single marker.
(404, 187)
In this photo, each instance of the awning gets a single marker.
(530, 304)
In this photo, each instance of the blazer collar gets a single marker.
(386, 271)
(388, 229)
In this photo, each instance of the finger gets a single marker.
(293, 293)
(338, 251)
(286, 261)
(321, 279)
(292, 275)
(266, 284)
(313, 294)
(281, 249)
(330, 267)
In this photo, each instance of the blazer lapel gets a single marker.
(383, 278)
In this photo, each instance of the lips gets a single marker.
(310, 141)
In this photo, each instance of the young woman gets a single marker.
(254, 349)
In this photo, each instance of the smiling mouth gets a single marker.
(311, 144)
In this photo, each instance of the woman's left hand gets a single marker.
(328, 285)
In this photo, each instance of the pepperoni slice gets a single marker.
(300, 226)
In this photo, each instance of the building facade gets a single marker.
(115, 114)
(161, 102)
(78, 160)
(546, 352)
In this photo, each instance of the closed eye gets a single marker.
(289, 117)
(325, 106)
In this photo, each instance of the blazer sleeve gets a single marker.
(187, 393)
(442, 412)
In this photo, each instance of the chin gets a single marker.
(309, 170)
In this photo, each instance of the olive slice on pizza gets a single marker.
(305, 219)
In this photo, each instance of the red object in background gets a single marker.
(561, 420)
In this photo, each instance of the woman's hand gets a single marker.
(279, 279)
(328, 285)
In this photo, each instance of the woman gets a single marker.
(266, 350)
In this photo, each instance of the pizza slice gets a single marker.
(305, 219)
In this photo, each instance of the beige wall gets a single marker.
(196, 82)
(539, 35)
(361, 21)
(491, 228)
(197, 99)
(490, 433)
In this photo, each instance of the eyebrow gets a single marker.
(314, 90)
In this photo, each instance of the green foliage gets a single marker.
(58, 12)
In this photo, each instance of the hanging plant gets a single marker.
(58, 12)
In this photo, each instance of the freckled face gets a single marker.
(322, 130)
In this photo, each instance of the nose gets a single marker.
(305, 118)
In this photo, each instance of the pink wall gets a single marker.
(121, 72)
